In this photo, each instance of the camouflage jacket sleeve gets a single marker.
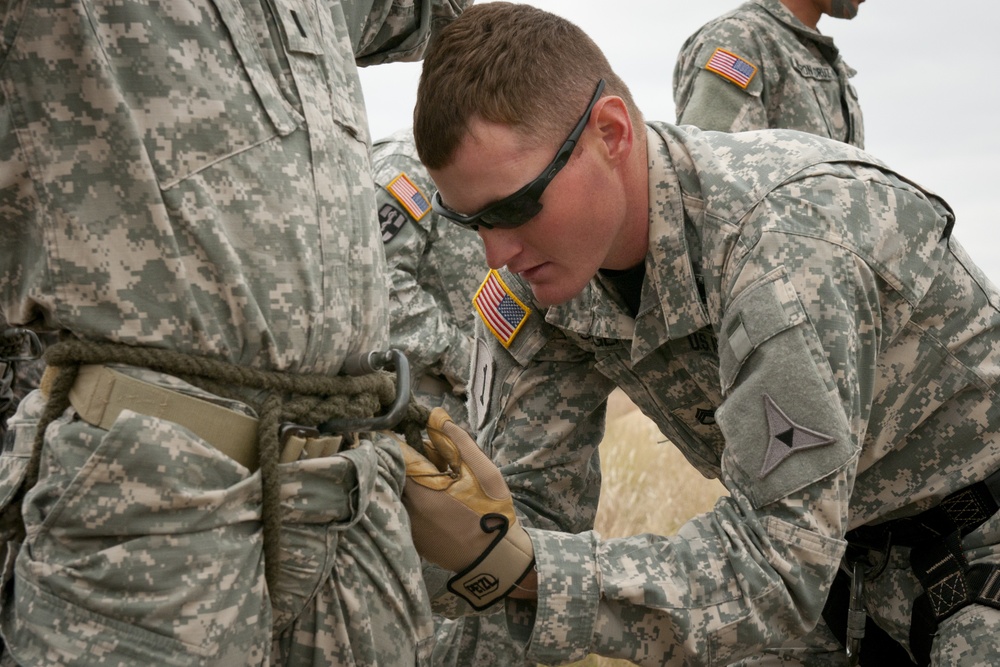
(718, 83)
(422, 322)
(799, 328)
(399, 30)
(756, 569)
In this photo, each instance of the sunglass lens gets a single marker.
(511, 214)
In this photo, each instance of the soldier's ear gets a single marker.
(613, 125)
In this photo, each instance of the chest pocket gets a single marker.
(829, 116)
(331, 28)
(197, 82)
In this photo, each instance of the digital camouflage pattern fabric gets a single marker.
(195, 176)
(810, 333)
(435, 268)
(759, 67)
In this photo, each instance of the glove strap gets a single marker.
(499, 569)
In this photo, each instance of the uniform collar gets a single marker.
(674, 308)
(671, 306)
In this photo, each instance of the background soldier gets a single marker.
(846, 399)
(435, 268)
(765, 65)
(186, 194)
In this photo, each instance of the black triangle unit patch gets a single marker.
(786, 437)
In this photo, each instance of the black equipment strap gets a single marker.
(935, 541)
(877, 646)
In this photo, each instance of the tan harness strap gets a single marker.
(101, 393)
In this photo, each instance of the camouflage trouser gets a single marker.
(144, 546)
(967, 639)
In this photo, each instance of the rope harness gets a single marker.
(298, 398)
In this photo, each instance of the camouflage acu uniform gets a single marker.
(809, 333)
(759, 67)
(194, 176)
(435, 268)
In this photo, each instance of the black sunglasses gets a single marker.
(523, 205)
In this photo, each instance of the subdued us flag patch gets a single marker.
(409, 195)
(502, 312)
(730, 66)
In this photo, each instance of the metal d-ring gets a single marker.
(371, 362)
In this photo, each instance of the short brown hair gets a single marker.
(512, 64)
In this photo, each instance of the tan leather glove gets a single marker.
(462, 514)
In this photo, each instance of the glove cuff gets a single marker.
(501, 567)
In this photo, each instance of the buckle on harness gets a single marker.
(298, 442)
(29, 348)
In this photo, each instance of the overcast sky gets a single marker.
(927, 80)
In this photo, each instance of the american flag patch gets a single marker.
(502, 312)
(407, 194)
(731, 66)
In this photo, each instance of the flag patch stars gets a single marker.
(501, 311)
(409, 195)
(730, 66)
(786, 437)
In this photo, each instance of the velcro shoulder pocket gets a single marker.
(782, 415)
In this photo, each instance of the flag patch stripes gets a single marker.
(501, 311)
(730, 66)
(409, 195)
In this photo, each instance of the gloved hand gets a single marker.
(462, 515)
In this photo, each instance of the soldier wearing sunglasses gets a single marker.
(796, 317)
